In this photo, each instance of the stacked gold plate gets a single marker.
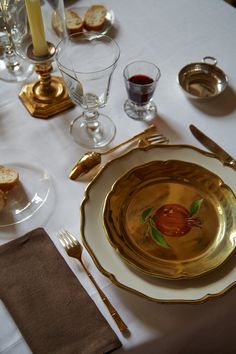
(184, 258)
(166, 190)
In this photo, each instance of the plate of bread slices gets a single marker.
(24, 186)
(96, 18)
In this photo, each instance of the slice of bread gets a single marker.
(3, 200)
(9, 177)
(74, 22)
(95, 17)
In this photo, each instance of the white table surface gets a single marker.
(171, 34)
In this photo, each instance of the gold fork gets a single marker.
(92, 158)
(74, 249)
(152, 140)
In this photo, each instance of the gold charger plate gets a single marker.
(171, 219)
(109, 261)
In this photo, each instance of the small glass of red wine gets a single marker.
(140, 80)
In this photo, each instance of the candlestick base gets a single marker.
(47, 96)
(42, 104)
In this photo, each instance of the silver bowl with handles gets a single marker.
(203, 79)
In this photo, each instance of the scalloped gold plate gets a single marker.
(194, 244)
(110, 263)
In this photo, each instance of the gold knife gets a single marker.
(224, 157)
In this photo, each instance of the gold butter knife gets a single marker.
(224, 157)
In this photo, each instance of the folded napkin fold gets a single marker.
(49, 305)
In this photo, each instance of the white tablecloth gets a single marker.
(171, 34)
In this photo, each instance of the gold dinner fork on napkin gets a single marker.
(52, 310)
(74, 249)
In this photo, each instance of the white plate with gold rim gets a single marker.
(110, 263)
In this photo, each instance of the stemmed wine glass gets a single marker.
(141, 78)
(86, 61)
(13, 25)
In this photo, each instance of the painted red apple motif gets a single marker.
(172, 220)
(175, 220)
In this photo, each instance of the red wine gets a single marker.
(141, 79)
(142, 90)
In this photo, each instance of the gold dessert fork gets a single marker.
(74, 249)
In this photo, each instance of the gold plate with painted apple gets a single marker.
(171, 219)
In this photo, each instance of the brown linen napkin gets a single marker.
(49, 305)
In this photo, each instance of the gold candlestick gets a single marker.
(48, 95)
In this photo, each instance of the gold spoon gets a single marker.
(93, 158)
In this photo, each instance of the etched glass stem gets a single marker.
(91, 119)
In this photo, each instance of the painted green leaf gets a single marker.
(195, 206)
(158, 237)
(144, 214)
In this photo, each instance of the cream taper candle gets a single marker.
(36, 27)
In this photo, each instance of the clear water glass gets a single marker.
(13, 26)
(87, 61)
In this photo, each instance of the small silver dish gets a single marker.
(203, 80)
